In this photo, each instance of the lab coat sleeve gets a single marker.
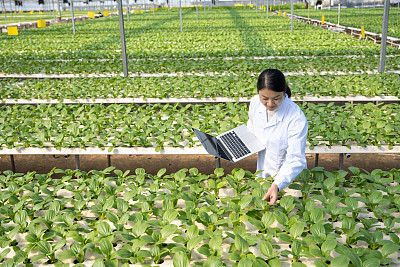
(295, 160)
(250, 122)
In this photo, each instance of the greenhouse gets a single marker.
(102, 102)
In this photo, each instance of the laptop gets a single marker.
(233, 145)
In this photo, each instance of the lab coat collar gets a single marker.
(279, 115)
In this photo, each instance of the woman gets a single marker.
(282, 127)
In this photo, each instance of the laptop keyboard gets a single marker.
(235, 145)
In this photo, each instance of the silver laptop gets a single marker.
(233, 145)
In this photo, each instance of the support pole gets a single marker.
(122, 34)
(11, 9)
(59, 8)
(12, 163)
(316, 159)
(108, 160)
(197, 13)
(180, 14)
(4, 8)
(54, 12)
(291, 10)
(77, 163)
(338, 18)
(217, 162)
(72, 14)
(267, 8)
(127, 10)
(384, 36)
(341, 161)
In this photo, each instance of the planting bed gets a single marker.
(165, 125)
(185, 218)
(231, 85)
(188, 218)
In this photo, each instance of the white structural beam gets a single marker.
(182, 151)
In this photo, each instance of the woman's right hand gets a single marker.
(272, 194)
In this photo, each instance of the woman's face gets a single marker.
(270, 99)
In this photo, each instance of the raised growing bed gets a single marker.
(190, 219)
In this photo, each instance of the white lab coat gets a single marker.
(284, 136)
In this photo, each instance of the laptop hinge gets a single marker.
(224, 151)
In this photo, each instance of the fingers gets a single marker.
(273, 199)
(272, 194)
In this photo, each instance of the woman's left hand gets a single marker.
(272, 194)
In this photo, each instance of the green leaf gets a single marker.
(179, 239)
(328, 246)
(32, 238)
(276, 262)
(66, 254)
(213, 261)
(267, 250)
(106, 246)
(193, 242)
(371, 262)
(99, 263)
(245, 201)
(215, 242)
(44, 247)
(296, 229)
(139, 228)
(318, 230)
(192, 231)
(4, 253)
(245, 262)
(241, 244)
(351, 254)
(168, 230)
(340, 261)
(124, 253)
(268, 219)
(389, 248)
(352, 203)
(180, 260)
(296, 247)
(170, 215)
(109, 203)
(20, 217)
(104, 229)
(317, 214)
(38, 257)
(112, 218)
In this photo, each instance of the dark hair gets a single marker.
(274, 80)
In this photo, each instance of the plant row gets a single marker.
(114, 218)
(159, 125)
(219, 65)
(26, 17)
(238, 85)
(249, 34)
(370, 18)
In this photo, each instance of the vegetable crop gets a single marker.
(169, 125)
(116, 218)
(232, 85)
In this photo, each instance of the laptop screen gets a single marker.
(209, 142)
